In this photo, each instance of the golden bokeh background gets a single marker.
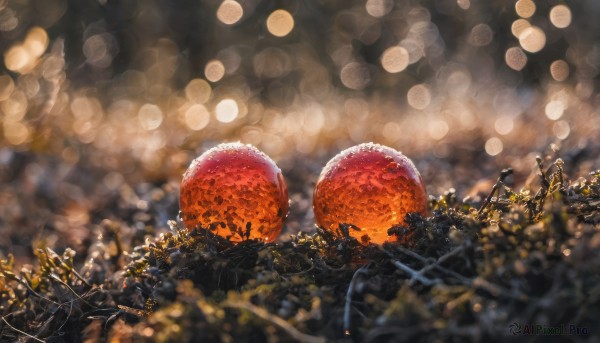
(100, 97)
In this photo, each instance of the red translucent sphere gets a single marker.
(236, 191)
(371, 187)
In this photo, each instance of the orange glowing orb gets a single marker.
(236, 191)
(370, 186)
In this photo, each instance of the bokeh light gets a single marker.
(532, 39)
(515, 58)
(561, 129)
(560, 16)
(16, 58)
(97, 50)
(525, 8)
(22, 57)
(280, 23)
(9, 20)
(379, 8)
(214, 70)
(419, 96)
(494, 146)
(230, 12)
(198, 90)
(481, 35)
(7, 86)
(150, 116)
(394, 59)
(438, 129)
(391, 131)
(504, 125)
(554, 109)
(36, 41)
(415, 48)
(15, 107)
(197, 117)
(227, 110)
(559, 70)
(16, 133)
(464, 4)
(355, 75)
(518, 26)
(271, 63)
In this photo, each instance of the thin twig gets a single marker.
(349, 294)
(68, 316)
(497, 291)
(503, 175)
(409, 253)
(437, 265)
(559, 165)
(56, 278)
(275, 320)
(443, 258)
(71, 269)
(26, 284)
(414, 274)
(133, 311)
(21, 332)
(461, 278)
(45, 327)
(477, 282)
(543, 191)
(543, 178)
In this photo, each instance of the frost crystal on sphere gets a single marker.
(370, 186)
(236, 191)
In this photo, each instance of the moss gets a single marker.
(465, 272)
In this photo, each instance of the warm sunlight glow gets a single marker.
(280, 23)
